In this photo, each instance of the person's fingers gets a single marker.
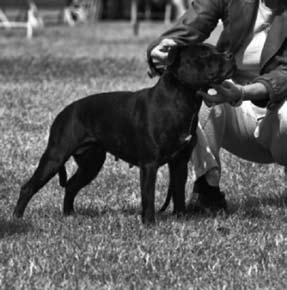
(212, 99)
(160, 67)
(229, 83)
(216, 99)
(225, 86)
(167, 43)
(221, 90)
(201, 94)
(156, 61)
(159, 56)
(218, 88)
(209, 97)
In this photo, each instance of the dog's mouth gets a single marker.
(228, 75)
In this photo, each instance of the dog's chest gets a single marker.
(174, 139)
(172, 145)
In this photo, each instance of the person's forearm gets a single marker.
(196, 24)
(255, 92)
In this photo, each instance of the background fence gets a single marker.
(106, 9)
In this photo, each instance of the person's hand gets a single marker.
(159, 53)
(227, 92)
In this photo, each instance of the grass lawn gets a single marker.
(105, 246)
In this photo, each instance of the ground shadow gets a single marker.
(96, 212)
(251, 206)
(12, 227)
(127, 211)
(248, 208)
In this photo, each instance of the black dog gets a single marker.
(147, 128)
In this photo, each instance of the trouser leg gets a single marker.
(230, 128)
(205, 156)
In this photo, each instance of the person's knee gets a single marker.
(279, 136)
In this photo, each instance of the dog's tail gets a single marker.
(62, 176)
(166, 203)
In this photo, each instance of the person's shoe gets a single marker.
(209, 198)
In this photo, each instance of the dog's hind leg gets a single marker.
(62, 176)
(89, 164)
(48, 167)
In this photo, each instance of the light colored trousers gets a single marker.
(252, 133)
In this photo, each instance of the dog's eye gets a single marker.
(228, 55)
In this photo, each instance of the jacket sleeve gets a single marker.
(275, 79)
(195, 25)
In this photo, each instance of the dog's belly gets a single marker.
(138, 128)
(141, 150)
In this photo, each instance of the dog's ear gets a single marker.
(172, 55)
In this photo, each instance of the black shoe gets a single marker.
(209, 198)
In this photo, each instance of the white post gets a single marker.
(29, 33)
(30, 20)
(134, 11)
(134, 17)
(180, 7)
(3, 17)
(167, 14)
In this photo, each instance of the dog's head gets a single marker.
(200, 65)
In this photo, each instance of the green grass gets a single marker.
(105, 246)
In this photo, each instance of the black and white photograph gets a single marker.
(143, 144)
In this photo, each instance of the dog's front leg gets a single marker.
(178, 176)
(147, 181)
(178, 168)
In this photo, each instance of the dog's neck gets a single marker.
(179, 88)
(171, 76)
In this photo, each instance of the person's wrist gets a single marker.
(242, 96)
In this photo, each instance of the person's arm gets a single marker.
(276, 83)
(255, 92)
(193, 27)
(275, 76)
(235, 94)
(270, 86)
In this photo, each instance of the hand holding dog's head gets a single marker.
(200, 65)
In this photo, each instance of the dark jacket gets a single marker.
(238, 17)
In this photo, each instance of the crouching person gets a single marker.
(246, 115)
